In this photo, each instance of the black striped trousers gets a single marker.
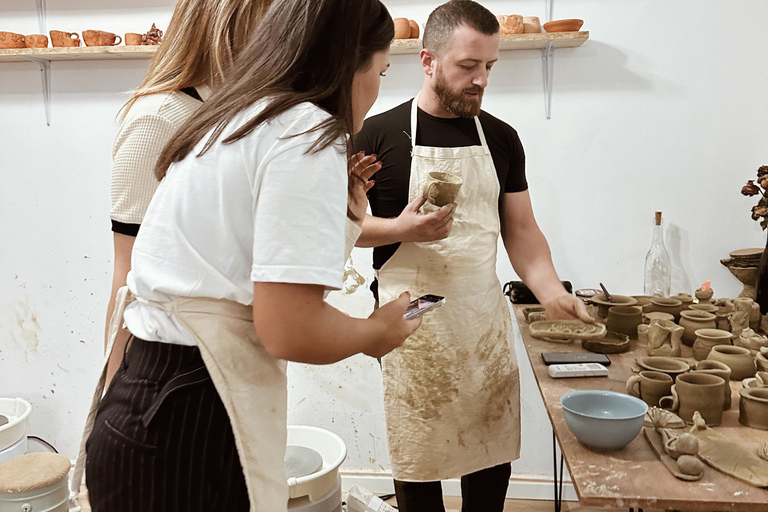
(162, 440)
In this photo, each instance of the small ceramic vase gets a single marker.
(753, 407)
(738, 359)
(664, 338)
(624, 319)
(651, 386)
(667, 305)
(658, 315)
(709, 308)
(696, 391)
(708, 338)
(692, 321)
(751, 340)
(721, 370)
(704, 296)
(618, 300)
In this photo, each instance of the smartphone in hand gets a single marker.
(425, 303)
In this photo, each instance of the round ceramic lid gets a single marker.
(301, 461)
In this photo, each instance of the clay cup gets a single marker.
(739, 359)
(100, 38)
(61, 39)
(36, 41)
(624, 319)
(442, 188)
(402, 28)
(10, 40)
(753, 407)
(721, 370)
(133, 39)
(652, 386)
(696, 391)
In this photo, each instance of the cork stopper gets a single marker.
(658, 218)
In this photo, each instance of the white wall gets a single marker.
(663, 108)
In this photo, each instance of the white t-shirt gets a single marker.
(257, 210)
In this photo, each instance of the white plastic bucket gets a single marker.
(333, 451)
(17, 411)
(51, 498)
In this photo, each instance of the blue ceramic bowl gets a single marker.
(603, 420)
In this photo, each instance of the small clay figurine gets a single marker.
(154, 36)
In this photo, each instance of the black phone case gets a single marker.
(573, 358)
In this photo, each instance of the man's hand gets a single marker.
(567, 307)
(416, 227)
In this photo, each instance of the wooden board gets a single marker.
(634, 477)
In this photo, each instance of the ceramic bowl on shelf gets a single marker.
(603, 420)
(568, 25)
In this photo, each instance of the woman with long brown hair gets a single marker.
(201, 42)
(244, 235)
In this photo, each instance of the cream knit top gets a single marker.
(143, 133)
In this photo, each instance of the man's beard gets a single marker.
(454, 101)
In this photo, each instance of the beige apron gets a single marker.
(250, 382)
(452, 391)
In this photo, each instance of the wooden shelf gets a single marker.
(399, 47)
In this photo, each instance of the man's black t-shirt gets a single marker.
(388, 135)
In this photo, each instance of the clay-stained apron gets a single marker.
(452, 392)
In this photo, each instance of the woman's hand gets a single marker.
(394, 328)
(361, 168)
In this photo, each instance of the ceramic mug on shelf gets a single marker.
(9, 40)
(696, 391)
(442, 188)
(36, 41)
(61, 39)
(133, 39)
(651, 385)
(101, 38)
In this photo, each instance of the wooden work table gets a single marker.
(634, 477)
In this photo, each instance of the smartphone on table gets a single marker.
(425, 303)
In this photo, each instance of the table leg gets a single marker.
(558, 480)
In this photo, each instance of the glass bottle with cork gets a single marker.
(658, 275)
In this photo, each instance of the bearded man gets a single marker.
(451, 392)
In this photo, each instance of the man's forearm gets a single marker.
(378, 231)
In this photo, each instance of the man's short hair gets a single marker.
(447, 17)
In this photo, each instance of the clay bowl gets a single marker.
(618, 300)
(669, 365)
(611, 343)
(669, 305)
(624, 319)
(753, 407)
(569, 25)
(603, 420)
(739, 359)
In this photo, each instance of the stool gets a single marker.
(34, 482)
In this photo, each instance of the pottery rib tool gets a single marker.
(607, 295)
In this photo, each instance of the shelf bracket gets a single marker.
(45, 75)
(547, 71)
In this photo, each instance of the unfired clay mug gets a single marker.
(133, 39)
(753, 407)
(652, 386)
(100, 38)
(721, 370)
(11, 40)
(36, 41)
(61, 39)
(696, 391)
(442, 188)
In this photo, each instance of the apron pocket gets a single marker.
(181, 381)
(122, 438)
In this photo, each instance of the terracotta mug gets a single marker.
(442, 188)
(652, 386)
(37, 41)
(133, 39)
(696, 391)
(100, 38)
(61, 39)
(11, 40)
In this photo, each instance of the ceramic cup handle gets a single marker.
(120, 40)
(674, 399)
(631, 385)
(427, 192)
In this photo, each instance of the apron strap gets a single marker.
(414, 110)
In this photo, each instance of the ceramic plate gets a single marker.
(562, 330)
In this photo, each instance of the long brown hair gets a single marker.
(302, 51)
(200, 44)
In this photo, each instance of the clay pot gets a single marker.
(658, 315)
(61, 39)
(708, 338)
(692, 321)
(133, 39)
(721, 370)
(570, 25)
(669, 365)
(704, 296)
(666, 305)
(511, 24)
(36, 41)
(738, 359)
(100, 38)
(442, 188)
(709, 308)
(642, 300)
(624, 319)
(402, 28)
(531, 25)
(414, 29)
(618, 300)
(651, 386)
(11, 40)
(696, 391)
(753, 407)
(685, 298)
